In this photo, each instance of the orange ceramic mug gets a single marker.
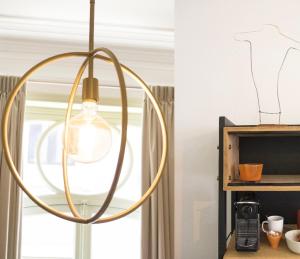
(250, 172)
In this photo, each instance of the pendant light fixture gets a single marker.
(87, 136)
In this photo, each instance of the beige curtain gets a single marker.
(10, 202)
(158, 212)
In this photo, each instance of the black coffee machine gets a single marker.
(247, 224)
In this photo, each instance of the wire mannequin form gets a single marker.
(260, 112)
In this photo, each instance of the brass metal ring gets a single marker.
(162, 163)
(116, 178)
(15, 173)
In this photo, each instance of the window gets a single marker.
(45, 236)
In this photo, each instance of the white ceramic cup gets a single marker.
(275, 223)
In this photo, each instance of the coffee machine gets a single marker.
(247, 225)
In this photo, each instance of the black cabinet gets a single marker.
(278, 148)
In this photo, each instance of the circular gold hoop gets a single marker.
(15, 173)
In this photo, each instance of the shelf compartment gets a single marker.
(265, 251)
(277, 147)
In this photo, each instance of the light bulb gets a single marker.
(89, 135)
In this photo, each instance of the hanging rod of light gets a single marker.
(77, 143)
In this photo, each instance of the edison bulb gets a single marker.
(89, 135)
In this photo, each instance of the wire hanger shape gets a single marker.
(279, 71)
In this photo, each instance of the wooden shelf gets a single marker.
(265, 251)
(268, 182)
(264, 129)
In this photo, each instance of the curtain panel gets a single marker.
(158, 211)
(10, 200)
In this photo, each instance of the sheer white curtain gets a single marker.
(10, 202)
(158, 212)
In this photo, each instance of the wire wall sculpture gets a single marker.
(293, 44)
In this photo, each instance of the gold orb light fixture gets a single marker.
(87, 136)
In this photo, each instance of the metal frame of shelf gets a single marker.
(273, 195)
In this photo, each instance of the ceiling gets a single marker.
(141, 13)
(139, 32)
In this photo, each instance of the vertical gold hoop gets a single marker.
(162, 163)
(115, 181)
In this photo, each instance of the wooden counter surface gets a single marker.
(265, 251)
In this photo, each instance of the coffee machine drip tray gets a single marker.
(246, 235)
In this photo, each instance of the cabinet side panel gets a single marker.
(231, 158)
(222, 233)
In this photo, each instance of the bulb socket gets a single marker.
(90, 90)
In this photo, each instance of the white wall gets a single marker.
(213, 78)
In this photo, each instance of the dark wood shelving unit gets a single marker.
(278, 148)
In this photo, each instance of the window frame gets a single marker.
(83, 232)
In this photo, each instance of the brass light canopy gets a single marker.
(90, 90)
(89, 94)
